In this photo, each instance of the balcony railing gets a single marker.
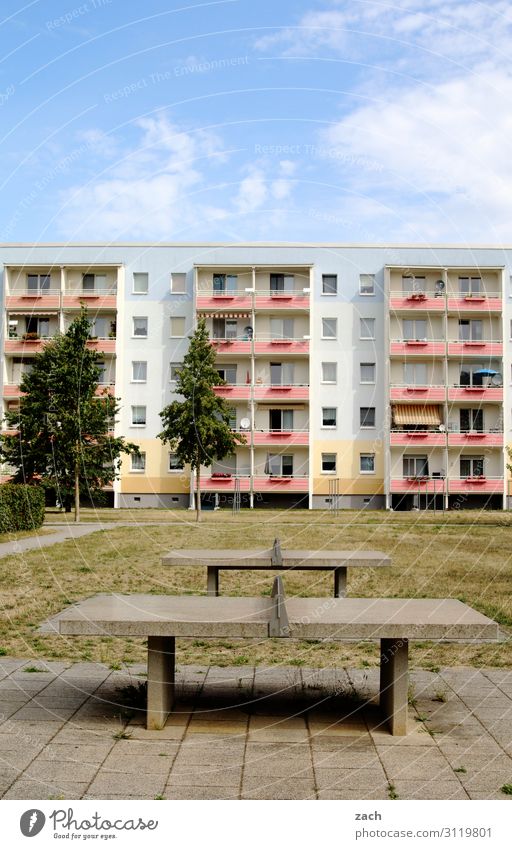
(409, 393)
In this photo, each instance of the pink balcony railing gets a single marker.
(473, 438)
(417, 437)
(297, 392)
(281, 346)
(224, 482)
(233, 391)
(281, 437)
(94, 299)
(483, 302)
(223, 301)
(475, 348)
(232, 346)
(475, 393)
(418, 484)
(281, 483)
(25, 300)
(411, 394)
(11, 390)
(476, 485)
(417, 302)
(420, 347)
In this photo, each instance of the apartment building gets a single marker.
(361, 376)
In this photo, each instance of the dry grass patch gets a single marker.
(470, 561)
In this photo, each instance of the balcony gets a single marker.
(474, 438)
(224, 482)
(11, 390)
(281, 437)
(476, 485)
(420, 347)
(276, 347)
(29, 343)
(102, 345)
(417, 438)
(411, 394)
(234, 391)
(421, 484)
(273, 392)
(295, 299)
(217, 301)
(30, 300)
(471, 394)
(281, 483)
(416, 302)
(475, 348)
(265, 300)
(479, 302)
(232, 346)
(96, 299)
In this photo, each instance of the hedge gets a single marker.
(21, 507)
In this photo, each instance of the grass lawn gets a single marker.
(14, 537)
(461, 555)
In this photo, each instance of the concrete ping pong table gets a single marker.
(163, 618)
(274, 558)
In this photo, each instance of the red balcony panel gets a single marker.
(23, 346)
(109, 386)
(488, 349)
(472, 440)
(412, 347)
(476, 485)
(295, 483)
(272, 393)
(212, 483)
(281, 438)
(104, 346)
(92, 300)
(30, 302)
(227, 302)
(475, 393)
(415, 485)
(11, 390)
(231, 346)
(474, 303)
(417, 438)
(233, 392)
(276, 347)
(285, 302)
(411, 394)
(404, 302)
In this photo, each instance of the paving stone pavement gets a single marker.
(68, 731)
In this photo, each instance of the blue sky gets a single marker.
(319, 120)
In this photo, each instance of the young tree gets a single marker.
(62, 430)
(197, 428)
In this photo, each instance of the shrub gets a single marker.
(21, 507)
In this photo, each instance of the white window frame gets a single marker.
(169, 469)
(140, 335)
(330, 426)
(178, 278)
(329, 471)
(371, 279)
(335, 367)
(335, 320)
(366, 319)
(366, 471)
(140, 274)
(183, 318)
(139, 380)
(140, 456)
(330, 294)
(139, 407)
(368, 365)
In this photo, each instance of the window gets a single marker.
(138, 416)
(100, 327)
(415, 329)
(367, 464)
(367, 328)
(412, 285)
(470, 285)
(139, 371)
(38, 282)
(280, 420)
(415, 374)
(138, 462)
(415, 467)
(470, 329)
(174, 370)
(329, 328)
(279, 465)
(281, 328)
(140, 283)
(329, 372)
(177, 326)
(175, 465)
(103, 379)
(94, 282)
(479, 374)
(40, 325)
(471, 467)
(281, 283)
(281, 374)
(178, 283)
(224, 283)
(367, 416)
(367, 284)
(329, 415)
(329, 284)
(329, 464)
(472, 419)
(140, 326)
(232, 418)
(228, 373)
(367, 372)
(225, 328)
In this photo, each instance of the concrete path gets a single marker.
(62, 534)
(245, 733)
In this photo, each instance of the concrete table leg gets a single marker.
(212, 580)
(161, 666)
(394, 683)
(340, 582)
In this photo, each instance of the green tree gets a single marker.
(62, 432)
(197, 428)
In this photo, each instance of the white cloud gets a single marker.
(260, 185)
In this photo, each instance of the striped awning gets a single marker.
(224, 314)
(416, 414)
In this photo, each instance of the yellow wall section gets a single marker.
(156, 478)
(347, 466)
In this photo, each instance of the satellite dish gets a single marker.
(245, 424)
(496, 380)
(442, 428)
(439, 285)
